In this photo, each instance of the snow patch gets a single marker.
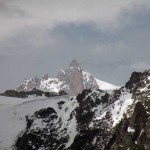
(120, 107)
(52, 84)
(106, 86)
(131, 130)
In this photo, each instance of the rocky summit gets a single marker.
(73, 81)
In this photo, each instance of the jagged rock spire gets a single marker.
(72, 80)
(74, 64)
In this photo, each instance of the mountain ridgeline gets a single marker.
(73, 81)
(93, 119)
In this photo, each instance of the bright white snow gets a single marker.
(106, 86)
(14, 110)
(120, 107)
(117, 109)
(52, 84)
(130, 130)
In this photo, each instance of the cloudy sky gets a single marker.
(110, 38)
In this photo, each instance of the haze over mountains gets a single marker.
(73, 81)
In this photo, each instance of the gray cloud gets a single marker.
(8, 9)
(110, 39)
(28, 15)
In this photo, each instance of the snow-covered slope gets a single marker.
(106, 86)
(95, 119)
(89, 79)
(73, 81)
(13, 112)
(62, 116)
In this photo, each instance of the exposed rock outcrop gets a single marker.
(35, 92)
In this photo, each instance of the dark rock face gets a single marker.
(145, 137)
(85, 113)
(99, 120)
(129, 132)
(47, 136)
(30, 140)
(84, 140)
(90, 131)
(133, 131)
(13, 93)
(25, 94)
(134, 80)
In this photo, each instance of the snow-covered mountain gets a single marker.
(73, 81)
(94, 120)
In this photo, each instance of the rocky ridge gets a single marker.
(73, 81)
(94, 120)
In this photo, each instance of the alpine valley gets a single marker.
(75, 111)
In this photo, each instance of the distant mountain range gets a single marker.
(73, 81)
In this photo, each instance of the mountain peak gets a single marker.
(74, 64)
(72, 80)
